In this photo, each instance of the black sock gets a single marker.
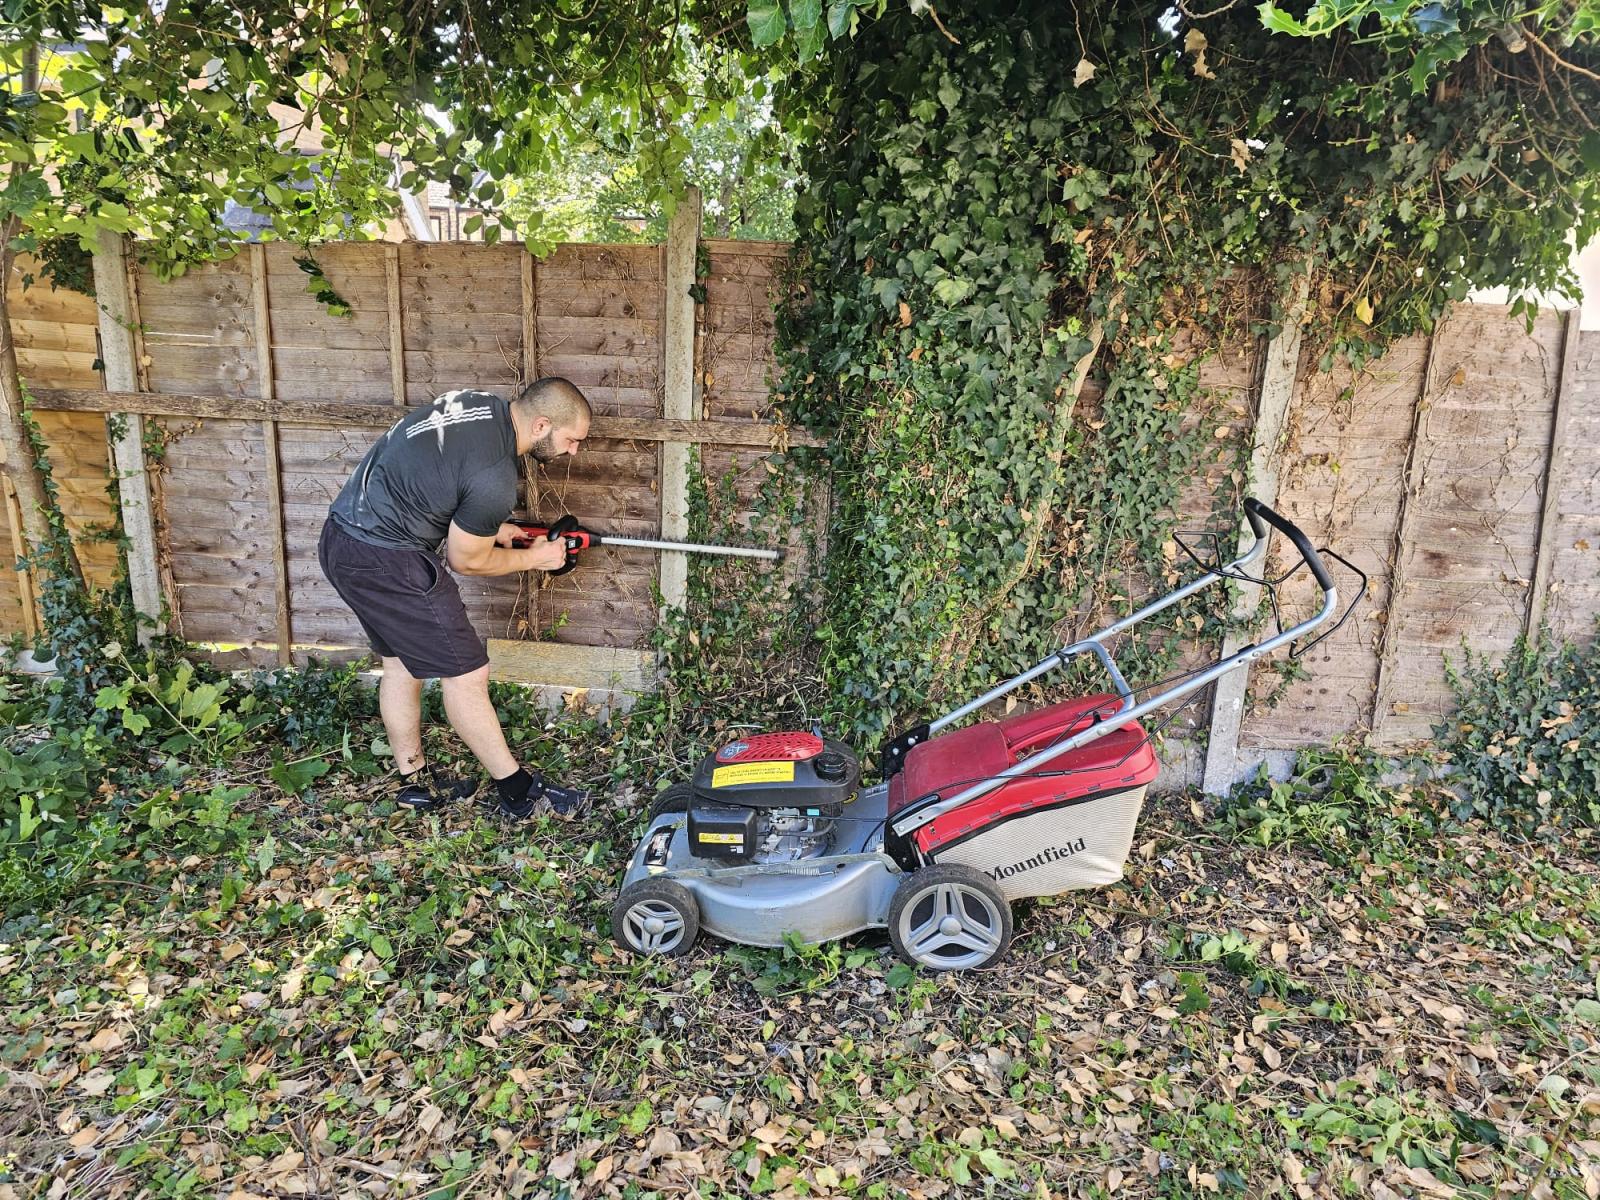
(514, 790)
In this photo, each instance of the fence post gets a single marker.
(683, 241)
(1389, 643)
(262, 328)
(1554, 466)
(397, 328)
(1277, 390)
(119, 314)
(30, 615)
(529, 371)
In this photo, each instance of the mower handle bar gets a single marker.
(1259, 516)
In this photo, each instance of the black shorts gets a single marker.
(407, 603)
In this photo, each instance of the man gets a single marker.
(446, 473)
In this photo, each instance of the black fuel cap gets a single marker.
(832, 765)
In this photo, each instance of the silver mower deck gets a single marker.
(822, 898)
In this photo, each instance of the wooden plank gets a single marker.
(39, 363)
(530, 319)
(397, 327)
(463, 292)
(602, 370)
(486, 333)
(597, 667)
(600, 335)
(41, 302)
(333, 414)
(119, 315)
(1554, 475)
(269, 441)
(595, 262)
(678, 374)
(52, 335)
(570, 298)
(1281, 366)
(330, 367)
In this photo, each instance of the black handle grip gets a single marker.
(565, 525)
(1261, 516)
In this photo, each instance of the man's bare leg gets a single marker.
(472, 716)
(400, 703)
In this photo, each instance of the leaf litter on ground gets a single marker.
(366, 1002)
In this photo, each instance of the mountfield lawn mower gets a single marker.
(774, 836)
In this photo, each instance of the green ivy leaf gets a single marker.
(805, 15)
(1278, 21)
(767, 22)
(1589, 151)
(952, 291)
(296, 777)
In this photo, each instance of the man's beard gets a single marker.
(544, 450)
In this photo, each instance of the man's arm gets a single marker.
(469, 554)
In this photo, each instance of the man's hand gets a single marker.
(548, 556)
(507, 534)
(470, 554)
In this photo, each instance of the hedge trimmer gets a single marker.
(579, 539)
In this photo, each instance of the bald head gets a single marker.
(556, 415)
(556, 399)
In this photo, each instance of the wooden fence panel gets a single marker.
(597, 321)
(216, 532)
(598, 318)
(734, 358)
(1341, 480)
(212, 493)
(1466, 566)
(449, 289)
(57, 347)
(317, 356)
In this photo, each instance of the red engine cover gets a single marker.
(767, 747)
(952, 762)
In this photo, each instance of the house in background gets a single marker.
(434, 215)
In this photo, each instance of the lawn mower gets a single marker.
(774, 837)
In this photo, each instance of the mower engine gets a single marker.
(770, 798)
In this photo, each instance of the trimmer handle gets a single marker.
(1261, 516)
(577, 538)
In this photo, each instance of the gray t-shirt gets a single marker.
(452, 460)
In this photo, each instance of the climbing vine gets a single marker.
(79, 621)
(1025, 229)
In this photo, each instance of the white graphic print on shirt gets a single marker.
(448, 410)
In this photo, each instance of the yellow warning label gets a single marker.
(756, 772)
(722, 839)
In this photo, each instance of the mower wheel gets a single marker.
(674, 800)
(655, 916)
(949, 918)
